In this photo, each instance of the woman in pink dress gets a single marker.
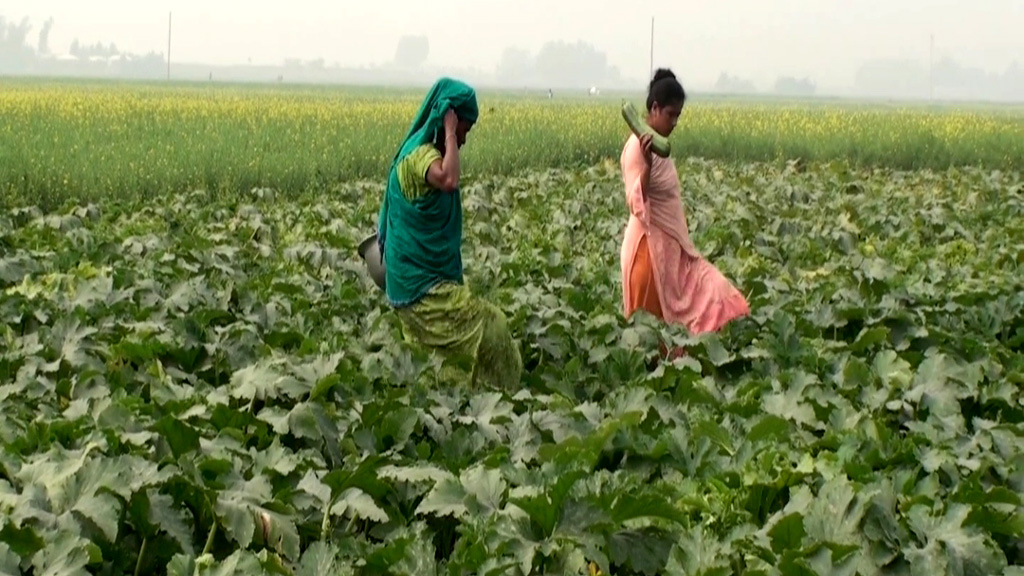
(662, 271)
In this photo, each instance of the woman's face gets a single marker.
(461, 132)
(664, 118)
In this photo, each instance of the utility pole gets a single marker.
(651, 73)
(931, 67)
(168, 46)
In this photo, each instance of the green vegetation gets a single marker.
(201, 384)
(198, 377)
(66, 140)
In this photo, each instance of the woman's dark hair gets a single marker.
(665, 89)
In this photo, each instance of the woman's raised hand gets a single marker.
(451, 122)
(645, 148)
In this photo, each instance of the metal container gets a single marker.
(369, 251)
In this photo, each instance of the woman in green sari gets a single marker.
(420, 236)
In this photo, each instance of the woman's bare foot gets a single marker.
(664, 354)
(676, 353)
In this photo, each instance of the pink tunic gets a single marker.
(692, 292)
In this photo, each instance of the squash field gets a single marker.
(206, 382)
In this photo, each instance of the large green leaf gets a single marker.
(65, 554)
(948, 546)
(9, 561)
(210, 379)
(320, 559)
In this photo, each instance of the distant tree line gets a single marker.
(18, 55)
(558, 65)
(784, 85)
(947, 79)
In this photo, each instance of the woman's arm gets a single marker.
(636, 169)
(443, 174)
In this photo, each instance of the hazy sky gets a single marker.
(756, 39)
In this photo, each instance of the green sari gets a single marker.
(420, 231)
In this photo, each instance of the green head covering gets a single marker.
(421, 240)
